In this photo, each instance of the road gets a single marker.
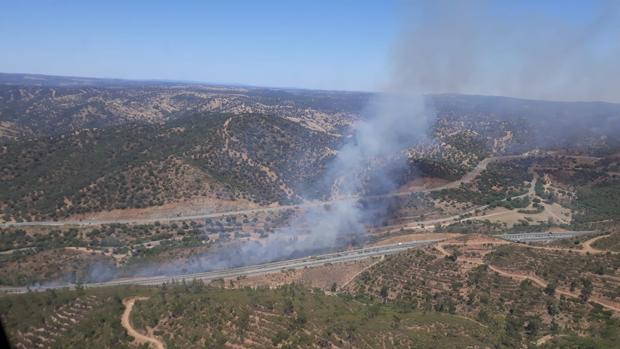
(543, 236)
(126, 323)
(520, 275)
(461, 217)
(311, 261)
(468, 177)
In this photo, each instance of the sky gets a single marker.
(314, 44)
(322, 44)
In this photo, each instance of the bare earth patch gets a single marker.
(414, 237)
(423, 183)
(126, 322)
(322, 277)
(202, 205)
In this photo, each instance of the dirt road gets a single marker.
(587, 245)
(126, 322)
(540, 282)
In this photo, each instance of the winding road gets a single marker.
(126, 322)
(588, 248)
(540, 282)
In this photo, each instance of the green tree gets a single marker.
(586, 290)
(384, 293)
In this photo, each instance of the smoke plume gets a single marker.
(499, 48)
(391, 124)
(447, 46)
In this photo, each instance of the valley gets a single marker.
(142, 210)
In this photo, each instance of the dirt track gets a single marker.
(126, 322)
(535, 279)
(542, 283)
(587, 245)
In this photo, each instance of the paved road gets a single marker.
(543, 236)
(337, 257)
(482, 165)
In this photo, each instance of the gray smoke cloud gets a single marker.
(368, 163)
(390, 125)
(497, 48)
(455, 46)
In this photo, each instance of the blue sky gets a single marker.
(319, 44)
(312, 44)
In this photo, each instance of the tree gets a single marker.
(550, 289)
(552, 309)
(288, 307)
(384, 292)
(453, 256)
(586, 291)
(395, 322)
(533, 326)
(573, 285)
(79, 287)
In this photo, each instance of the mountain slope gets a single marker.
(137, 165)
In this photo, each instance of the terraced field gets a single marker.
(57, 323)
(193, 315)
(293, 316)
(512, 293)
(594, 275)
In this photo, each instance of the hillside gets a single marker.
(196, 170)
(77, 145)
(140, 165)
(472, 291)
(32, 106)
(522, 294)
(290, 316)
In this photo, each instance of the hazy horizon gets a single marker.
(554, 50)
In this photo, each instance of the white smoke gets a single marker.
(498, 48)
(392, 123)
(453, 46)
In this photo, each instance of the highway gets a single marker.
(310, 261)
(299, 263)
(543, 236)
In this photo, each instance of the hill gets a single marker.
(246, 156)
(79, 145)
